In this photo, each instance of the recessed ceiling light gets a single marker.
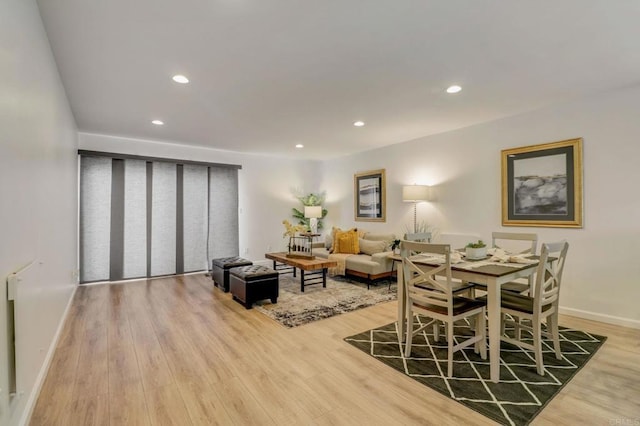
(299, 145)
(180, 79)
(454, 89)
(358, 123)
(158, 122)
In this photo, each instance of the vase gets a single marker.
(476, 253)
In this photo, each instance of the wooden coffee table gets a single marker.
(316, 268)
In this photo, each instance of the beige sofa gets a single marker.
(372, 263)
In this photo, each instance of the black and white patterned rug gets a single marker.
(521, 393)
(295, 308)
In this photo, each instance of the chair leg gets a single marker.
(537, 345)
(516, 328)
(436, 330)
(407, 348)
(481, 330)
(474, 324)
(450, 348)
(552, 325)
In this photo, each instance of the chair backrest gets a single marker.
(418, 236)
(549, 275)
(456, 241)
(514, 236)
(421, 285)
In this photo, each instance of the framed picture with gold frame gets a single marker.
(542, 185)
(370, 194)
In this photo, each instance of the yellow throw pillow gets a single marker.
(346, 242)
(334, 230)
(332, 246)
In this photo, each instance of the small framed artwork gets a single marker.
(370, 196)
(542, 185)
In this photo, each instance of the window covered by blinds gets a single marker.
(223, 212)
(135, 219)
(163, 219)
(195, 216)
(95, 218)
(151, 217)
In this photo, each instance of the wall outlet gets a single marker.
(246, 251)
(268, 249)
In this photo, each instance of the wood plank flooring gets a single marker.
(177, 351)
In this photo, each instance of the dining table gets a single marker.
(493, 274)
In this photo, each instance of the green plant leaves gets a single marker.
(309, 200)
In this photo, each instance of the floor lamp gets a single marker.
(415, 194)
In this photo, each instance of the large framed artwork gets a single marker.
(542, 185)
(370, 196)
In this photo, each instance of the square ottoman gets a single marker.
(220, 270)
(248, 284)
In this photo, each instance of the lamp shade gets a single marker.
(415, 193)
(312, 211)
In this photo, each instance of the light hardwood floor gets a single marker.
(177, 351)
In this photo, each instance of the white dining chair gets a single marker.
(424, 237)
(541, 306)
(516, 243)
(429, 292)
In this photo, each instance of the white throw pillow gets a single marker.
(371, 247)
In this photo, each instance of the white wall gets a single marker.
(602, 274)
(38, 193)
(38, 196)
(267, 185)
(464, 169)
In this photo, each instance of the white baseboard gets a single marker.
(37, 386)
(609, 319)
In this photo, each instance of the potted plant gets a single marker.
(477, 250)
(309, 200)
(395, 246)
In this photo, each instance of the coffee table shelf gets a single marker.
(312, 271)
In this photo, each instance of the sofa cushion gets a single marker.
(346, 242)
(321, 252)
(334, 229)
(379, 237)
(364, 263)
(328, 241)
(371, 247)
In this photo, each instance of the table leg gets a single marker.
(401, 306)
(493, 313)
(301, 279)
(324, 277)
(294, 272)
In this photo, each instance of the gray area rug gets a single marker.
(521, 393)
(341, 295)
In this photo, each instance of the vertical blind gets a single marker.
(149, 217)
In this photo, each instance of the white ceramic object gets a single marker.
(476, 253)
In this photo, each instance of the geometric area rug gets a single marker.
(521, 393)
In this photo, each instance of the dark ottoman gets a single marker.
(248, 284)
(220, 270)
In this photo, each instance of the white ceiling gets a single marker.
(266, 75)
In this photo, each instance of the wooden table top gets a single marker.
(304, 264)
(494, 270)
